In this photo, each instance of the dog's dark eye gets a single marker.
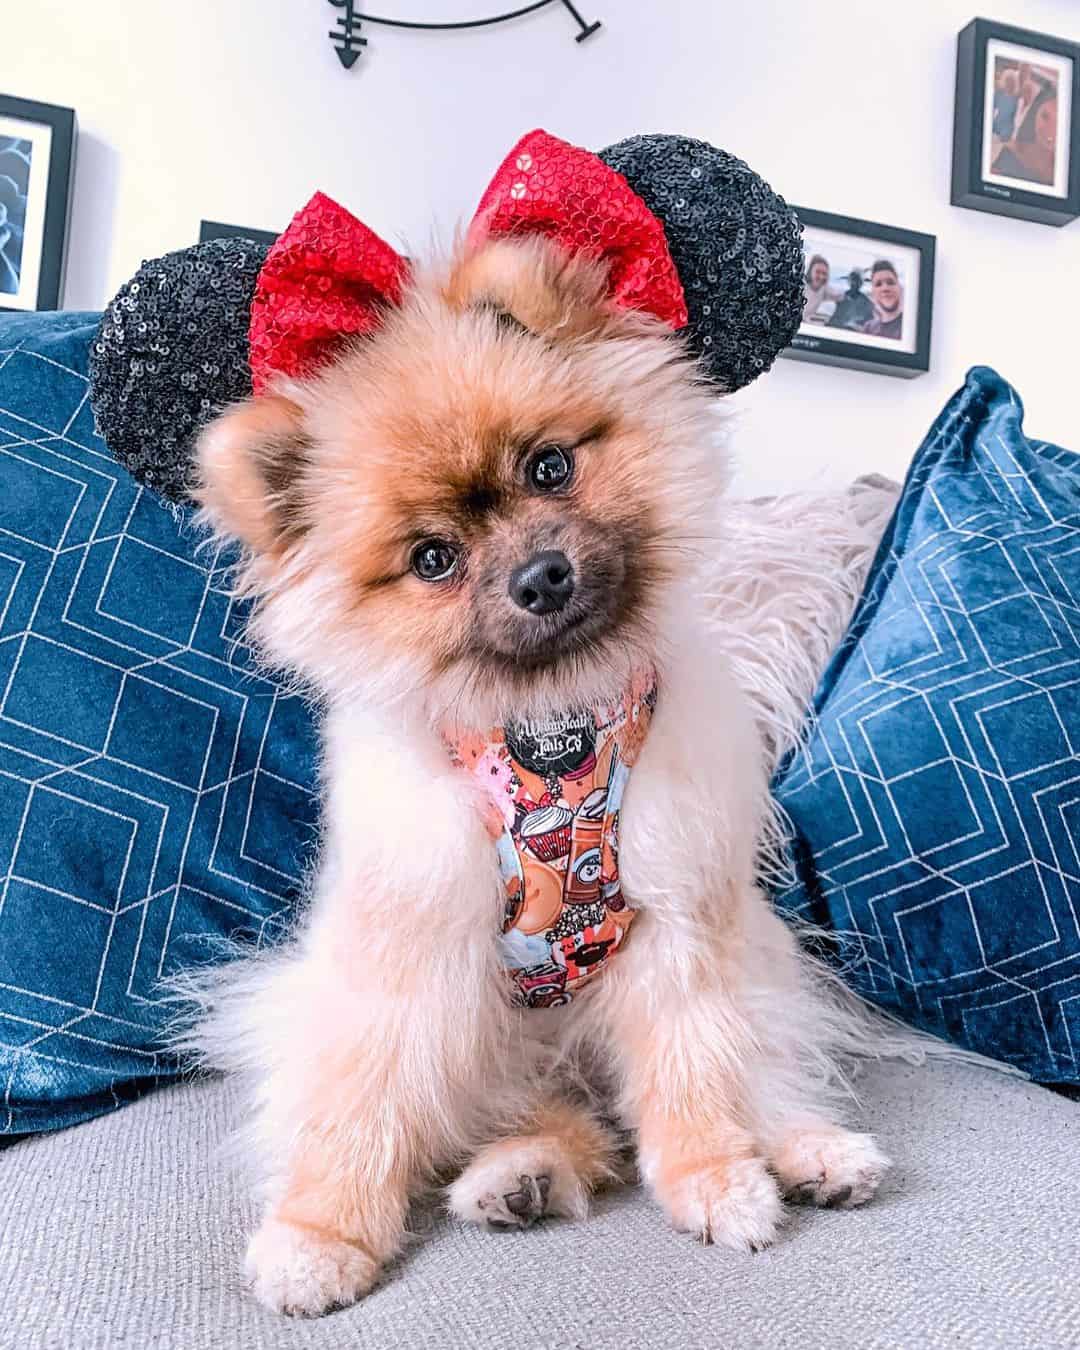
(434, 559)
(550, 468)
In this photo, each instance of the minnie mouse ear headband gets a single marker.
(691, 235)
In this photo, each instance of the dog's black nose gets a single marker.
(544, 584)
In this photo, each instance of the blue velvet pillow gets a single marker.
(936, 806)
(153, 789)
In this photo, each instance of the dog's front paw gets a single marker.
(734, 1202)
(302, 1273)
(517, 1181)
(517, 1208)
(834, 1168)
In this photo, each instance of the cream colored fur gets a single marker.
(381, 1053)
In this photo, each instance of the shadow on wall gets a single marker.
(92, 226)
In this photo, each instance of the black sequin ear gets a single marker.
(170, 352)
(737, 247)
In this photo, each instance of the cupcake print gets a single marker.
(546, 832)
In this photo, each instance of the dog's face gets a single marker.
(484, 499)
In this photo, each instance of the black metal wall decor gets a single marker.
(349, 41)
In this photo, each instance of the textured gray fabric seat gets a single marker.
(128, 1232)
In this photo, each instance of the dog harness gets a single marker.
(555, 788)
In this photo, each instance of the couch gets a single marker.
(128, 1231)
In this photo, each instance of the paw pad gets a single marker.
(520, 1208)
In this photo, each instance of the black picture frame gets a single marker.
(53, 234)
(970, 189)
(217, 229)
(823, 348)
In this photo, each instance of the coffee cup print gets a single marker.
(586, 838)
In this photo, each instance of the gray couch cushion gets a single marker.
(128, 1231)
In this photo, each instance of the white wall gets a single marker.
(233, 111)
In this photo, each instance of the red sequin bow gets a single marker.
(328, 276)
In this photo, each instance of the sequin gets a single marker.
(170, 352)
(689, 232)
(574, 198)
(328, 277)
(736, 228)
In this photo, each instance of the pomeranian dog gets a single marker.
(498, 511)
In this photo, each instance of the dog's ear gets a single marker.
(532, 285)
(250, 463)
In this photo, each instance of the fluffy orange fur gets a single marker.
(423, 431)
(380, 1043)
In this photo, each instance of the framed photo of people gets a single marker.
(1016, 132)
(37, 158)
(868, 292)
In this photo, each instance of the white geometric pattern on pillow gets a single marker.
(940, 787)
(152, 788)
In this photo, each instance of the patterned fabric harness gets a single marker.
(555, 789)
